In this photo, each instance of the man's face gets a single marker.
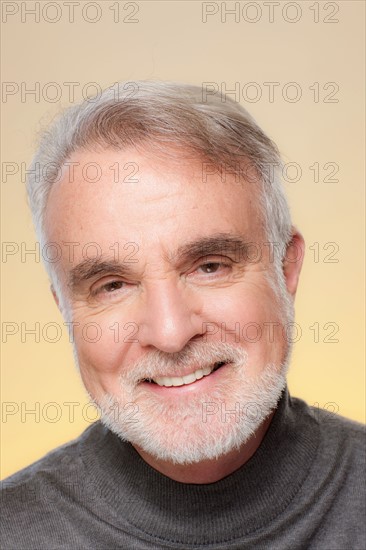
(160, 284)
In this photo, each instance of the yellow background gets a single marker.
(170, 42)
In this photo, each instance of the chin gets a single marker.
(202, 425)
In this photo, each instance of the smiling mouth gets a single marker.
(169, 381)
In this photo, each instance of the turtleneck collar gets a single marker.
(129, 491)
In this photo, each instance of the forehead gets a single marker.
(138, 196)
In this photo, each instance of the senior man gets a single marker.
(177, 249)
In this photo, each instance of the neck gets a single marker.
(208, 471)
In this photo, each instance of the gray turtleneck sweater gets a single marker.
(304, 488)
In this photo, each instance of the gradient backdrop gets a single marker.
(311, 52)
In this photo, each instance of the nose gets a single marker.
(169, 318)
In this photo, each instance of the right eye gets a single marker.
(109, 289)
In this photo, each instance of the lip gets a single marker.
(197, 367)
(180, 375)
(204, 383)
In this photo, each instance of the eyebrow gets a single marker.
(92, 267)
(213, 245)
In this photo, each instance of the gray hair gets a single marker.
(213, 126)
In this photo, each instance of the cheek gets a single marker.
(100, 362)
(101, 342)
(245, 303)
(250, 315)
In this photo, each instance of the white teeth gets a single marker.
(199, 373)
(189, 378)
(180, 381)
(166, 381)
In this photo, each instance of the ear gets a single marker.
(292, 261)
(55, 296)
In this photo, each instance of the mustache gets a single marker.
(194, 356)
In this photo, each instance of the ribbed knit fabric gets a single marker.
(304, 488)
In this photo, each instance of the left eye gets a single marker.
(211, 267)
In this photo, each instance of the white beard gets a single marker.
(199, 425)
